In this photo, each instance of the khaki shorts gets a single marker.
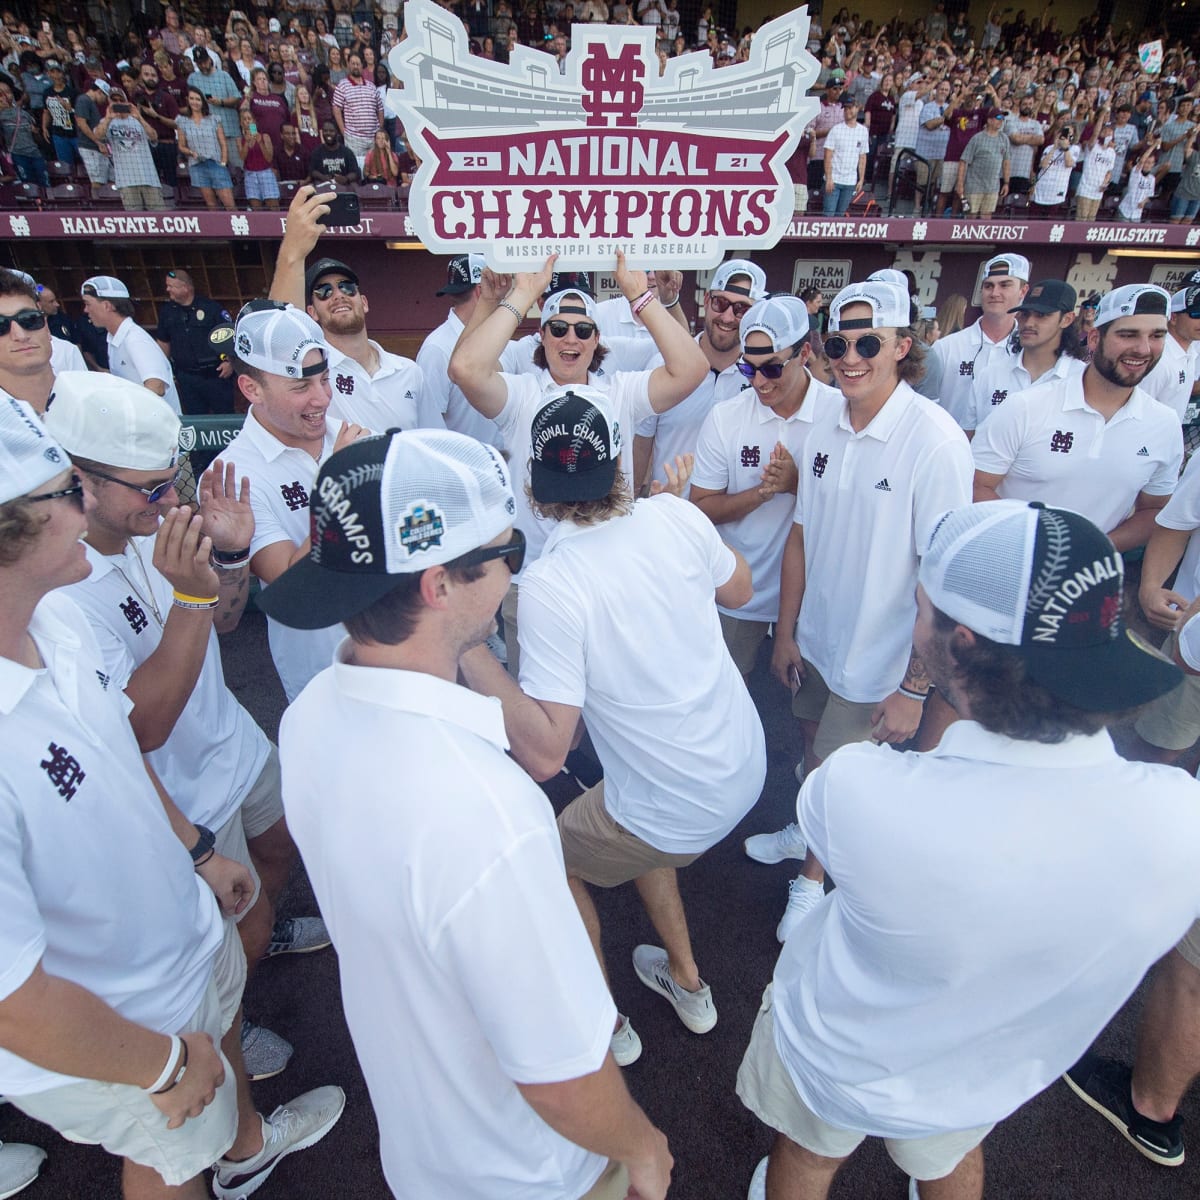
(1172, 722)
(126, 1122)
(598, 850)
(262, 807)
(612, 1185)
(1189, 946)
(841, 721)
(508, 610)
(766, 1089)
(800, 191)
(983, 203)
(743, 639)
(949, 180)
(231, 842)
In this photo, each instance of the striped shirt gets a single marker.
(201, 136)
(360, 105)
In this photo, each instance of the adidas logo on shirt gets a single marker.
(1143, 453)
(883, 486)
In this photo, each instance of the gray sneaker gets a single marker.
(266, 1054)
(298, 935)
(294, 1126)
(19, 1167)
(625, 1044)
(695, 1009)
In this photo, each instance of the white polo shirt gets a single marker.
(134, 355)
(1005, 377)
(629, 397)
(915, 1002)
(65, 356)
(479, 957)
(215, 752)
(280, 479)
(434, 360)
(677, 430)
(1171, 381)
(616, 320)
(392, 398)
(95, 884)
(1051, 445)
(952, 364)
(733, 450)
(868, 502)
(618, 620)
(1182, 511)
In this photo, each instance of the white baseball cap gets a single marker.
(1134, 299)
(1016, 265)
(390, 506)
(889, 304)
(731, 270)
(113, 421)
(276, 337)
(572, 302)
(784, 319)
(106, 287)
(888, 275)
(29, 455)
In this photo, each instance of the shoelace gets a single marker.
(281, 1123)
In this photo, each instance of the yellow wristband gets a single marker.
(204, 601)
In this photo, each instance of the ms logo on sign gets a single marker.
(820, 462)
(751, 455)
(1061, 443)
(612, 89)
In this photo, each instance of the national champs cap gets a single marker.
(387, 506)
(1048, 296)
(578, 303)
(1187, 301)
(888, 275)
(1016, 265)
(1134, 299)
(784, 319)
(105, 287)
(731, 270)
(576, 447)
(570, 281)
(323, 267)
(1047, 582)
(275, 339)
(113, 421)
(29, 455)
(890, 306)
(463, 274)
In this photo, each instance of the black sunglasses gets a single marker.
(347, 287)
(75, 491)
(560, 329)
(867, 346)
(29, 319)
(766, 370)
(153, 495)
(512, 552)
(719, 305)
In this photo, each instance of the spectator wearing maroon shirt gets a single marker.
(881, 117)
(291, 163)
(269, 110)
(159, 108)
(964, 122)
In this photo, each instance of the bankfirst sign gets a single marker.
(521, 161)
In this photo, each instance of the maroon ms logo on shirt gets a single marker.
(820, 462)
(1061, 443)
(345, 384)
(294, 495)
(750, 456)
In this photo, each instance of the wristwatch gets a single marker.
(207, 841)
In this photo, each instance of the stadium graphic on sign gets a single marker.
(519, 161)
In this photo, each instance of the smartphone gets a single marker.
(121, 108)
(253, 128)
(343, 209)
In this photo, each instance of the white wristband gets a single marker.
(168, 1072)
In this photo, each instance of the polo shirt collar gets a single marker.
(884, 423)
(420, 694)
(51, 636)
(987, 341)
(115, 339)
(1134, 409)
(969, 740)
(269, 446)
(805, 412)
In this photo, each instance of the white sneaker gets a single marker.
(775, 847)
(19, 1167)
(695, 1009)
(295, 1126)
(913, 1194)
(758, 1182)
(803, 896)
(625, 1045)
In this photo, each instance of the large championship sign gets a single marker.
(521, 161)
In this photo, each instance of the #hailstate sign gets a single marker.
(522, 161)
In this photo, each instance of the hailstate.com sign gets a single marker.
(522, 161)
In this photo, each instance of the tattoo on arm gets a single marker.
(916, 678)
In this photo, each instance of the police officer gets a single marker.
(203, 371)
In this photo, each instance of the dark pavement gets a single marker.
(1052, 1149)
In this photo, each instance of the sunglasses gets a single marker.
(766, 370)
(29, 319)
(347, 287)
(153, 495)
(75, 491)
(512, 552)
(867, 346)
(719, 305)
(560, 329)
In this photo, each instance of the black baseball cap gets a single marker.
(323, 267)
(463, 274)
(575, 448)
(570, 281)
(1048, 296)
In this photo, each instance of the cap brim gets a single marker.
(1044, 309)
(455, 289)
(308, 596)
(554, 487)
(1122, 674)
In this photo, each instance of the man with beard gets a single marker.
(158, 106)
(1092, 442)
(331, 161)
(371, 387)
(1026, 135)
(735, 287)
